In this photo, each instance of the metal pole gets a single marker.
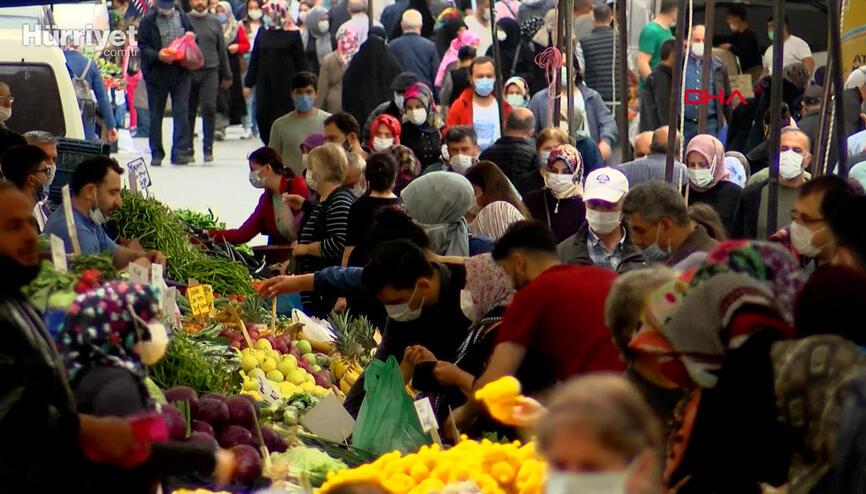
(370, 16)
(835, 19)
(674, 108)
(775, 115)
(500, 94)
(819, 164)
(622, 56)
(569, 64)
(558, 44)
(706, 63)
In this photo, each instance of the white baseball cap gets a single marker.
(605, 184)
(857, 78)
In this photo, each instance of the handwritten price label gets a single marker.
(198, 300)
(268, 392)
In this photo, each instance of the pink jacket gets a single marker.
(450, 56)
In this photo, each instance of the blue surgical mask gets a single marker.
(654, 253)
(303, 102)
(484, 86)
(222, 18)
(545, 155)
(398, 101)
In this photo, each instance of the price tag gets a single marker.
(170, 309)
(133, 181)
(157, 282)
(138, 274)
(58, 254)
(70, 220)
(198, 302)
(425, 414)
(328, 419)
(269, 394)
(138, 173)
(208, 294)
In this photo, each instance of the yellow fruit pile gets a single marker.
(494, 468)
(345, 372)
(281, 370)
(500, 397)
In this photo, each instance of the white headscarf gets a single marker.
(437, 202)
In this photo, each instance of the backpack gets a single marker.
(83, 93)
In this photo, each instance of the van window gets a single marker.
(37, 100)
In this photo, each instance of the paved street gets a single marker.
(223, 185)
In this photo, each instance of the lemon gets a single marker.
(249, 362)
(257, 372)
(285, 366)
(250, 385)
(268, 364)
(287, 388)
(307, 387)
(275, 376)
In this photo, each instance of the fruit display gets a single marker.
(490, 468)
(500, 397)
(288, 373)
(353, 340)
(302, 461)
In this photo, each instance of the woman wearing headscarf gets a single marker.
(517, 92)
(736, 171)
(330, 92)
(529, 27)
(317, 38)
(494, 219)
(421, 124)
(368, 77)
(111, 335)
(408, 166)
(438, 202)
(230, 103)
(516, 58)
(277, 55)
(713, 339)
(705, 159)
(384, 133)
(497, 204)
(559, 203)
(464, 38)
(449, 25)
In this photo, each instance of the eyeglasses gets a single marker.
(795, 216)
(9, 99)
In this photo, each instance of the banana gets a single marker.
(345, 386)
(338, 369)
(351, 376)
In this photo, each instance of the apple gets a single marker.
(304, 347)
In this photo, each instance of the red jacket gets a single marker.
(460, 112)
(263, 220)
(243, 42)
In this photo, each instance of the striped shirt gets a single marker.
(327, 222)
(602, 64)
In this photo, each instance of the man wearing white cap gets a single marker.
(603, 240)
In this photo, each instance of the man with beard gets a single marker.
(43, 434)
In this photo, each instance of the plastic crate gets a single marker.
(71, 152)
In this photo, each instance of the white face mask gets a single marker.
(501, 36)
(559, 182)
(5, 113)
(255, 14)
(358, 190)
(417, 116)
(311, 182)
(701, 177)
(460, 163)
(152, 339)
(698, 49)
(545, 155)
(586, 483)
(467, 305)
(323, 26)
(97, 217)
(382, 143)
(790, 164)
(402, 312)
(603, 222)
(801, 239)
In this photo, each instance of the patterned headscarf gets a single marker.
(766, 262)
(569, 155)
(100, 331)
(713, 152)
(488, 283)
(347, 42)
(230, 28)
(494, 219)
(422, 93)
(393, 125)
(528, 27)
(274, 14)
(408, 166)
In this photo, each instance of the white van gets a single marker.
(41, 85)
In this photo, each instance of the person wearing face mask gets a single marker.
(317, 38)
(514, 152)
(497, 204)
(603, 240)
(342, 129)
(251, 23)
(559, 204)
(213, 75)
(718, 112)
(421, 124)
(394, 104)
(600, 436)
(278, 54)
(455, 65)
(370, 80)
(479, 23)
(460, 152)
(271, 217)
(28, 167)
(705, 159)
(8, 138)
(659, 223)
(516, 56)
(290, 129)
(517, 92)
(355, 180)
(477, 106)
(45, 434)
(794, 49)
(742, 42)
(110, 338)
(750, 219)
(385, 133)
(545, 142)
(532, 344)
(231, 105)
(330, 91)
(95, 188)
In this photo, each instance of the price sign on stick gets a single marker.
(198, 302)
(58, 254)
(428, 419)
(269, 394)
(208, 294)
(70, 221)
(139, 175)
(328, 419)
(138, 274)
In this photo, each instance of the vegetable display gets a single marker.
(202, 361)
(199, 220)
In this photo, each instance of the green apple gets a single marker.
(309, 357)
(304, 346)
(287, 365)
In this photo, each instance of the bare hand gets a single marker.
(293, 201)
(165, 57)
(284, 268)
(527, 412)
(226, 463)
(279, 285)
(248, 91)
(112, 135)
(108, 438)
(341, 305)
(604, 150)
(416, 354)
(232, 48)
(157, 257)
(446, 373)
(225, 83)
(299, 250)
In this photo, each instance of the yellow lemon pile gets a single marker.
(494, 468)
(500, 397)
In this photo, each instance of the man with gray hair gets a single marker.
(44, 141)
(355, 179)
(414, 52)
(658, 219)
(652, 167)
(514, 152)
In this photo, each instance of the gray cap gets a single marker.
(403, 80)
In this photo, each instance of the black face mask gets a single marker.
(16, 275)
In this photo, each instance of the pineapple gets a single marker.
(344, 343)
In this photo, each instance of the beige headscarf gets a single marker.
(494, 219)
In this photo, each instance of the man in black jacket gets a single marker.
(215, 72)
(163, 76)
(43, 434)
(655, 95)
(514, 152)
